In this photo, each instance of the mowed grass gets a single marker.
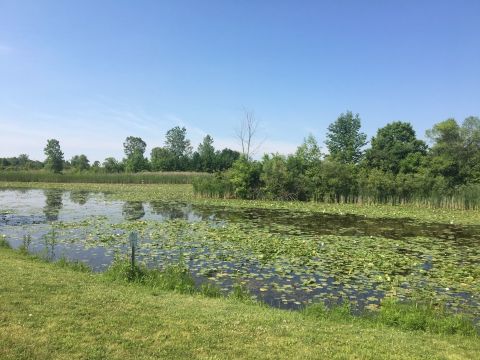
(184, 193)
(53, 312)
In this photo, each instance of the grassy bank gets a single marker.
(184, 193)
(101, 178)
(50, 311)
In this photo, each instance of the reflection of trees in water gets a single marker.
(53, 204)
(79, 197)
(170, 211)
(133, 210)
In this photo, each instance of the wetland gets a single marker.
(285, 258)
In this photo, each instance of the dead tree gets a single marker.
(246, 133)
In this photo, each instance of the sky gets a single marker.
(90, 73)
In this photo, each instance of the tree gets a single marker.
(111, 165)
(134, 144)
(344, 139)
(23, 161)
(244, 176)
(162, 159)
(447, 152)
(225, 158)
(179, 146)
(134, 148)
(206, 153)
(54, 154)
(455, 153)
(396, 148)
(177, 142)
(275, 178)
(309, 152)
(247, 132)
(470, 133)
(80, 162)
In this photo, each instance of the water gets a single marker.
(88, 227)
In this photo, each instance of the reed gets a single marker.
(103, 178)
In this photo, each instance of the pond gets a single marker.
(287, 259)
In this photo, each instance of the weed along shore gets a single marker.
(61, 311)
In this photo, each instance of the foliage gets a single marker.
(344, 139)
(244, 176)
(4, 243)
(134, 145)
(162, 159)
(80, 162)
(206, 154)
(54, 160)
(111, 165)
(134, 148)
(396, 149)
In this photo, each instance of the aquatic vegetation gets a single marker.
(183, 193)
(102, 178)
(284, 257)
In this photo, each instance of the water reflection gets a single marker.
(133, 210)
(170, 211)
(79, 197)
(53, 204)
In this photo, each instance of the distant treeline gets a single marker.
(176, 155)
(396, 168)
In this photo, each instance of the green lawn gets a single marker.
(48, 312)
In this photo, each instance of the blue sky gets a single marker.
(92, 72)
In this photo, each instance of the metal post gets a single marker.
(133, 244)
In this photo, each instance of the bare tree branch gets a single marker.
(246, 133)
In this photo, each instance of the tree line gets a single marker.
(397, 167)
(176, 155)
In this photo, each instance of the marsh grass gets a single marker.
(173, 277)
(4, 244)
(411, 316)
(466, 197)
(423, 317)
(73, 265)
(26, 241)
(102, 178)
(241, 293)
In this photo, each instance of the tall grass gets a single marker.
(405, 316)
(213, 187)
(466, 197)
(103, 178)
(4, 243)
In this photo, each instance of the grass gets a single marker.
(184, 193)
(49, 311)
(405, 316)
(101, 178)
